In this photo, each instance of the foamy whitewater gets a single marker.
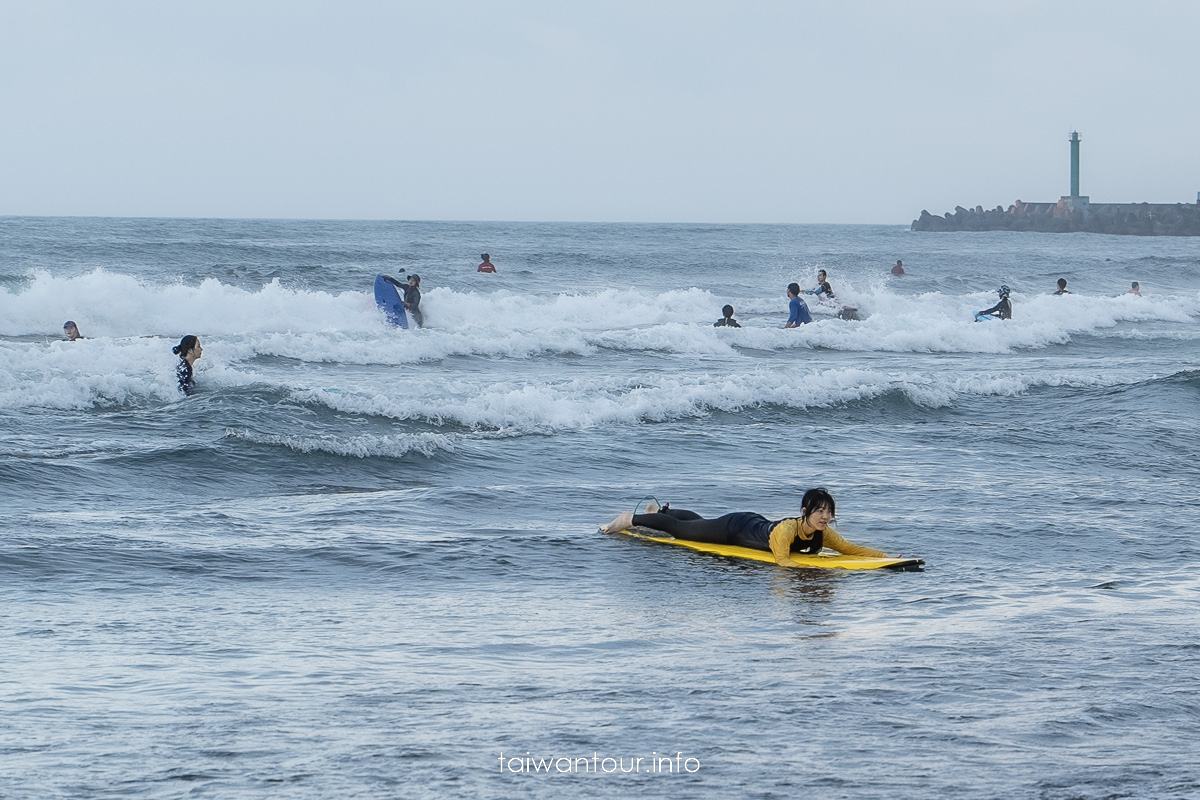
(364, 562)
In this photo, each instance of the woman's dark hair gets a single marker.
(794, 288)
(815, 500)
(727, 311)
(186, 345)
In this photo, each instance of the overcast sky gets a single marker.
(694, 111)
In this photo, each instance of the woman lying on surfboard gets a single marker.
(806, 534)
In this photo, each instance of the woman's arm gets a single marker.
(834, 541)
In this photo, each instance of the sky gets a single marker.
(605, 111)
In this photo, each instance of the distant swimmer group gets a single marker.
(798, 310)
(806, 534)
(1004, 310)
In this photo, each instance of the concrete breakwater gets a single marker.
(1071, 215)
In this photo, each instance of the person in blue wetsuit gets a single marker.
(797, 309)
(806, 534)
(188, 350)
(1003, 309)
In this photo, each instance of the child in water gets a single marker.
(727, 320)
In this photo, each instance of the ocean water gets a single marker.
(364, 563)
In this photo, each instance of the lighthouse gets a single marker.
(1074, 202)
(1074, 163)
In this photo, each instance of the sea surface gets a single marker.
(362, 562)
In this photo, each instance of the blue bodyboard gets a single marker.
(388, 300)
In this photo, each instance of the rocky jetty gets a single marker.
(1071, 215)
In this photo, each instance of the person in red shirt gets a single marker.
(487, 265)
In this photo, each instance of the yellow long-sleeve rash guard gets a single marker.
(789, 530)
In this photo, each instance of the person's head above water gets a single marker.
(821, 275)
(1003, 291)
(793, 290)
(188, 349)
(415, 280)
(727, 311)
(71, 331)
(485, 256)
(817, 499)
(1061, 284)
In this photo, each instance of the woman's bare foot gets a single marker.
(622, 522)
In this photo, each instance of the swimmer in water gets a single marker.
(188, 350)
(822, 290)
(1135, 289)
(1062, 286)
(71, 331)
(410, 296)
(807, 533)
(726, 320)
(797, 309)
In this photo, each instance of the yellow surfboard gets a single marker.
(826, 560)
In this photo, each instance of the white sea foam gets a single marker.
(131, 326)
(361, 446)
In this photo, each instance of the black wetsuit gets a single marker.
(184, 373)
(1003, 309)
(741, 528)
(822, 288)
(726, 323)
(411, 297)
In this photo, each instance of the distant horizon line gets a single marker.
(450, 221)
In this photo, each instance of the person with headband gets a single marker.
(1003, 309)
(808, 533)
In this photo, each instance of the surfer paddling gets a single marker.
(807, 533)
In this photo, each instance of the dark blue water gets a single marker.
(361, 562)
